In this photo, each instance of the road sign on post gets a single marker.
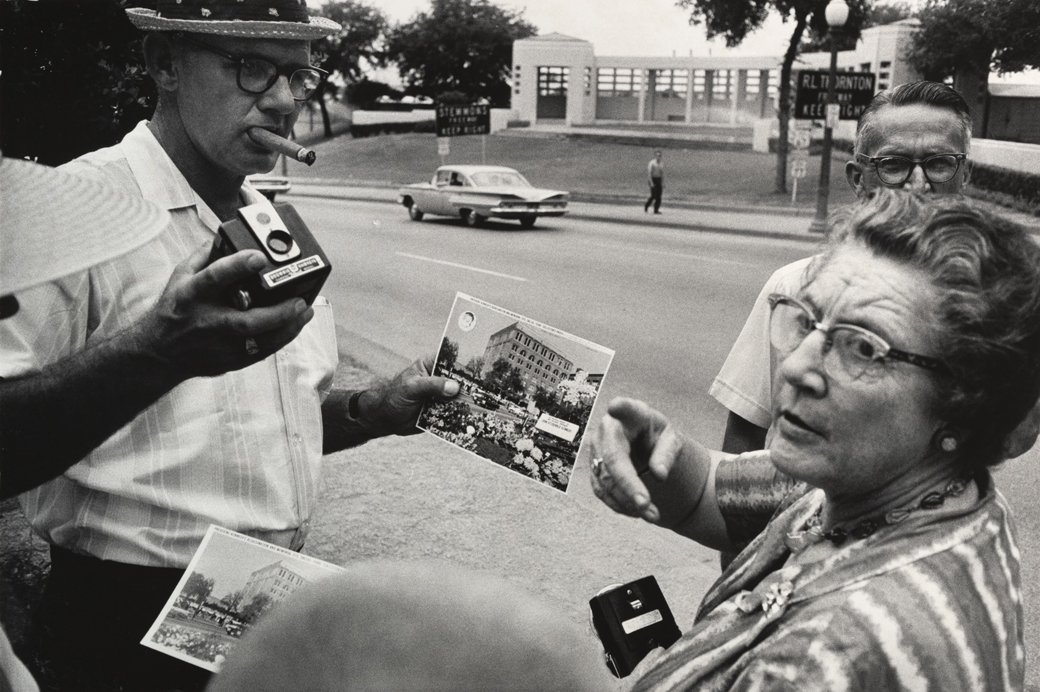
(455, 120)
(853, 91)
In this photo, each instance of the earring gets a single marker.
(949, 444)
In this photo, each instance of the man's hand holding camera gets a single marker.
(194, 329)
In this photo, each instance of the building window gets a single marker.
(671, 83)
(552, 81)
(751, 88)
(720, 85)
(618, 81)
(864, 67)
(885, 64)
(698, 83)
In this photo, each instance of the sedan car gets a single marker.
(477, 193)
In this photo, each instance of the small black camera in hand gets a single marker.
(632, 620)
(296, 265)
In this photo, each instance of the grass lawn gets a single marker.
(576, 166)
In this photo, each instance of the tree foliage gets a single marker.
(448, 355)
(876, 15)
(73, 78)
(257, 606)
(357, 46)
(504, 378)
(197, 588)
(976, 36)
(735, 19)
(458, 45)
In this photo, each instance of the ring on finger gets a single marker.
(251, 347)
(597, 465)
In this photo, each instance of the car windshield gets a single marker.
(500, 179)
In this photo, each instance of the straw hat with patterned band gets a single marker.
(285, 19)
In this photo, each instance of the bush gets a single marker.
(1016, 184)
(372, 129)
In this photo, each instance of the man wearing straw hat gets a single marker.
(240, 449)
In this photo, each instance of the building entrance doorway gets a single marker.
(552, 92)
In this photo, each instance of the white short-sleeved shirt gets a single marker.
(242, 450)
(744, 384)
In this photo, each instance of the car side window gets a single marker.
(443, 177)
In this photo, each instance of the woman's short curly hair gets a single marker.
(987, 270)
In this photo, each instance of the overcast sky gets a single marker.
(628, 27)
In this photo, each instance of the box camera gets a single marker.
(296, 265)
(632, 620)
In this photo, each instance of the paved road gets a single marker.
(669, 301)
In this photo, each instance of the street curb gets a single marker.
(591, 197)
(806, 238)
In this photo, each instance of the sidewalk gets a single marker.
(771, 222)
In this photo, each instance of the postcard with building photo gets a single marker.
(231, 582)
(527, 390)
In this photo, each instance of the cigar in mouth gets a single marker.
(281, 145)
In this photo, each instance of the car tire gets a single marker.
(527, 220)
(473, 219)
(414, 213)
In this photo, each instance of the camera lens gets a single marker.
(279, 242)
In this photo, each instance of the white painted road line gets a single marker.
(676, 255)
(461, 266)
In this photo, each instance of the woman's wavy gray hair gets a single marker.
(987, 270)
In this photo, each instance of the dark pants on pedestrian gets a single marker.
(90, 623)
(656, 188)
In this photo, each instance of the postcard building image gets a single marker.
(276, 580)
(540, 365)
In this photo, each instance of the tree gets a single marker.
(544, 399)
(976, 35)
(504, 378)
(197, 589)
(877, 15)
(233, 600)
(966, 39)
(475, 366)
(735, 19)
(256, 607)
(459, 45)
(448, 355)
(359, 44)
(73, 78)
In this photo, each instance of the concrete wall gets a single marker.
(1013, 155)
(555, 50)
(1014, 119)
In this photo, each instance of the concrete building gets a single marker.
(276, 580)
(557, 77)
(560, 79)
(540, 364)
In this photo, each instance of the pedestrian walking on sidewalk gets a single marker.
(655, 176)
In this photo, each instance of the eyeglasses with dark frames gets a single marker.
(896, 170)
(257, 75)
(849, 351)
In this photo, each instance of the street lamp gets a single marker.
(837, 14)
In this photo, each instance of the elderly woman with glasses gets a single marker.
(887, 561)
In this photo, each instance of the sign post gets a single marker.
(799, 138)
(457, 120)
(853, 91)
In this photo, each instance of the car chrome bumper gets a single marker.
(515, 213)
